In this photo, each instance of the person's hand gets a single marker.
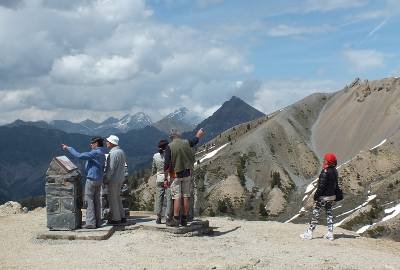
(166, 183)
(200, 133)
(64, 146)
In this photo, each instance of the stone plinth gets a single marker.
(102, 233)
(63, 195)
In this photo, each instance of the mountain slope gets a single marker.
(265, 168)
(232, 112)
(270, 156)
(358, 117)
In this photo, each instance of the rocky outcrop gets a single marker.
(11, 208)
(386, 229)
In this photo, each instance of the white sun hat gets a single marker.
(113, 139)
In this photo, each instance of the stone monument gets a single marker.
(63, 195)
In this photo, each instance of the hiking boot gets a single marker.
(329, 236)
(184, 221)
(307, 235)
(158, 220)
(123, 220)
(113, 222)
(173, 223)
(89, 226)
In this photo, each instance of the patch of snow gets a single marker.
(376, 146)
(363, 229)
(212, 153)
(370, 198)
(339, 206)
(394, 211)
(296, 216)
(311, 186)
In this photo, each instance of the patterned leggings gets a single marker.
(316, 212)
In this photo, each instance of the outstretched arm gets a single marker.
(84, 155)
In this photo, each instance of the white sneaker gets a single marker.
(307, 235)
(329, 236)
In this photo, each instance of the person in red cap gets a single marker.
(324, 196)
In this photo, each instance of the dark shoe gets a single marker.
(123, 220)
(184, 221)
(173, 223)
(114, 222)
(89, 226)
(158, 220)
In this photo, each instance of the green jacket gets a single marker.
(182, 155)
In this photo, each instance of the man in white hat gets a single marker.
(114, 177)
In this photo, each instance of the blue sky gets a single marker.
(158, 55)
(300, 38)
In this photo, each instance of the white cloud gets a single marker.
(119, 59)
(11, 100)
(287, 30)
(85, 69)
(329, 5)
(362, 60)
(377, 28)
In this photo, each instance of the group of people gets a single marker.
(173, 166)
(102, 169)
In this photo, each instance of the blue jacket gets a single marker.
(96, 158)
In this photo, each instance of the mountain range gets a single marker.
(30, 146)
(267, 168)
(181, 119)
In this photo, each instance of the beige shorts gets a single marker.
(179, 183)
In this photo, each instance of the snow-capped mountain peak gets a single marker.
(178, 114)
(136, 121)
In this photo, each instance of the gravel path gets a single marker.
(236, 244)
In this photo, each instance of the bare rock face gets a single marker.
(276, 203)
(358, 118)
(364, 215)
(144, 195)
(10, 208)
(386, 229)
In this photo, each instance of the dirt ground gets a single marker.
(236, 244)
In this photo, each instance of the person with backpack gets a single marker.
(324, 197)
(179, 165)
(162, 186)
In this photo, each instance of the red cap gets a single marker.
(330, 159)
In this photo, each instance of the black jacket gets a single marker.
(327, 183)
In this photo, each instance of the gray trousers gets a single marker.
(92, 200)
(115, 201)
(162, 193)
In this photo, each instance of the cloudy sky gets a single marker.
(78, 59)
